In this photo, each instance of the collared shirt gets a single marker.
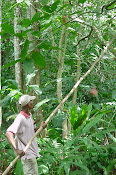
(23, 128)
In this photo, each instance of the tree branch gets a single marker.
(108, 5)
(112, 50)
(85, 37)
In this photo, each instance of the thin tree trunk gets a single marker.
(53, 43)
(17, 51)
(60, 60)
(60, 67)
(77, 76)
(78, 67)
(65, 122)
(65, 128)
(58, 107)
(0, 62)
(37, 79)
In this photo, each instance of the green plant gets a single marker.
(89, 150)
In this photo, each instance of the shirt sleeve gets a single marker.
(15, 127)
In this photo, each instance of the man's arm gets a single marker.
(11, 140)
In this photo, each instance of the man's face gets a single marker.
(30, 104)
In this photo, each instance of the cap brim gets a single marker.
(32, 97)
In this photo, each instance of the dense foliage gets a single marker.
(91, 144)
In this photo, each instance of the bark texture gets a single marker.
(60, 66)
(17, 50)
(32, 10)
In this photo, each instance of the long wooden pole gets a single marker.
(56, 109)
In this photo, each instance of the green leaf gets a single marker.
(110, 167)
(92, 123)
(45, 16)
(28, 66)
(81, 117)
(105, 37)
(45, 26)
(29, 77)
(36, 89)
(86, 87)
(84, 109)
(47, 8)
(38, 59)
(79, 121)
(63, 7)
(112, 137)
(10, 96)
(73, 115)
(110, 7)
(46, 45)
(101, 166)
(25, 48)
(43, 169)
(82, 166)
(54, 5)
(5, 100)
(68, 144)
(19, 169)
(24, 33)
(44, 2)
(7, 28)
(10, 64)
(67, 167)
(40, 104)
(26, 23)
(89, 110)
(82, 1)
(11, 117)
(35, 17)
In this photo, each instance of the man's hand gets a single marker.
(43, 124)
(20, 152)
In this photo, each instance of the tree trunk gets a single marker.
(60, 66)
(17, 51)
(78, 67)
(65, 129)
(59, 75)
(32, 9)
(0, 63)
(77, 76)
(60, 60)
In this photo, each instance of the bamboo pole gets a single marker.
(56, 109)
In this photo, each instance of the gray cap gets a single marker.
(25, 99)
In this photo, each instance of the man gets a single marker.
(23, 128)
